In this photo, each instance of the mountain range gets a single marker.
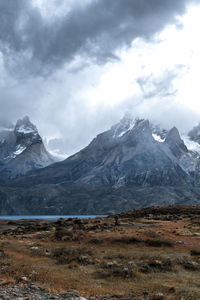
(134, 164)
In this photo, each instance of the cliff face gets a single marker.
(21, 150)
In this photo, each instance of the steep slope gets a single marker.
(125, 154)
(134, 164)
(21, 150)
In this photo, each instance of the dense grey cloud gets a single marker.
(46, 60)
(95, 29)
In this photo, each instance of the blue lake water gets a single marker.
(50, 218)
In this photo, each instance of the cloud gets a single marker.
(30, 42)
(160, 86)
(75, 67)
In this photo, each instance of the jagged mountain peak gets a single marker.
(142, 125)
(25, 119)
(125, 124)
(140, 133)
(22, 149)
(173, 136)
(26, 133)
(25, 126)
(176, 144)
(138, 128)
(130, 124)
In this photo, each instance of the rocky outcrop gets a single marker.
(21, 150)
(175, 143)
(24, 288)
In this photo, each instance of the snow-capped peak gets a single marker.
(24, 126)
(130, 127)
(126, 124)
(24, 129)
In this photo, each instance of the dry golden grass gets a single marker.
(125, 247)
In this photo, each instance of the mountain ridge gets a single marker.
(134, 164)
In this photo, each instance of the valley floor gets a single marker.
(151, 254)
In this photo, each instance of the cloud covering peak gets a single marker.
(76, 66)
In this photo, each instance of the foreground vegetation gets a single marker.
(152, 253)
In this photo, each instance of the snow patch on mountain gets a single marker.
(131, 126)
(24, 126)
(191, 145)
(157, 138)
(24, 129)
(19, 150)
(125, 125)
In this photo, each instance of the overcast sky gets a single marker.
(76, 66)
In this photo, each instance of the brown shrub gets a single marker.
(127, 240)
(123, 272)
(157, 266)
(159, 243)
(78, 255)
(152, 234)
(96, 241)
(116, 271)
(195, 252)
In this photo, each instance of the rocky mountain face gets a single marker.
(21, 150)
(134, 164)
(128, 153)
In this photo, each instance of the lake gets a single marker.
(50, 218)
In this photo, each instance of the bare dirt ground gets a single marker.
(153, 253)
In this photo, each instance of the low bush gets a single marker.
(96, 241)
(116, 271)
(159, 243)
(127, 240)
(195, 252)
(78, 255)
(157, 266)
